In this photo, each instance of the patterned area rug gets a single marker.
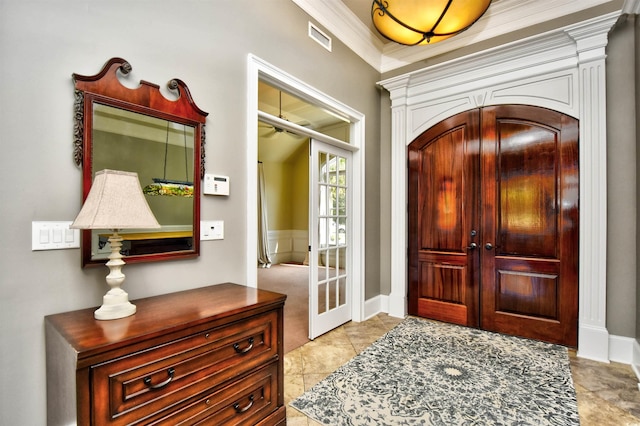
(429, 373)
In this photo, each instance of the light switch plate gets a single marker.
(53, 235)
(211, 230)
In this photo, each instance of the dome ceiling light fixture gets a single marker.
(416, 22)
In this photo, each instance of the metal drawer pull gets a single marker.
(147, 380)
(236, 346)
(239, 410)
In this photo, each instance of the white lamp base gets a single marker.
(115, 304)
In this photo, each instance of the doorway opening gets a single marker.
(290, 115)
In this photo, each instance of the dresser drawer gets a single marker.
(243, 402)
(135, 388)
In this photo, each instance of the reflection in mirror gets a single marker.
(162, 153)
(162, 140)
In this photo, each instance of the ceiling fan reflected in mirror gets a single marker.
(275, 130)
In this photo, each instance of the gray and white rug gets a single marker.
(429, 373)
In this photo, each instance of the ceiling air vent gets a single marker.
(316, 34)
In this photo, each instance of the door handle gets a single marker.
(488, 246)
(472, 246)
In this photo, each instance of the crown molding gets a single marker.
(557, 47)
(503, 17)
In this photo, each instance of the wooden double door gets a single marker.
(493, 222)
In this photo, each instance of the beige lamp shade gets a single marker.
(417, 22)
(115, 201)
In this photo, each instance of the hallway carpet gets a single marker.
(292, 280)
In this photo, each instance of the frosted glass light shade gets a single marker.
(416, 22)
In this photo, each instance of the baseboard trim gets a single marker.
(288, 245)
(593, 343)
(621, 349)
(397, 305)
(626, 350)
(376, 305)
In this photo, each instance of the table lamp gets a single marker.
(115, 202)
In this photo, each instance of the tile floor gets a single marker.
(607, 393)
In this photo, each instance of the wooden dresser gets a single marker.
(208, 356)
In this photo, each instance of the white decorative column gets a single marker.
(563, 70)
(591, 41)
(398, 296)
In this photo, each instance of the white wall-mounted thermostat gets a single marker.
(216, 184)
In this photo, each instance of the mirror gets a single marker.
(139, 130)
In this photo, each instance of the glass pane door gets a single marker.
(330, 261)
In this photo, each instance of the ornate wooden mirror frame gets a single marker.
(142, 131)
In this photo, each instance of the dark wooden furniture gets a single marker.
(211, 355)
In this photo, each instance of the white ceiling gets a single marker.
(350, 21)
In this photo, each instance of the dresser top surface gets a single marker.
(158, 315)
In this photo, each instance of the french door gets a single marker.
(493, 222)
(330, 230)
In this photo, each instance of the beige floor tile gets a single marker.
(296, 421)
(293, 362)
(293, 388)
(595, 412)
(311, 379)
(389, 321)
(318, 358)
(336, 337)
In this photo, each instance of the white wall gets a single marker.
(205, 44)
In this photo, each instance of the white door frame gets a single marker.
(563, 70)
(259, 69)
